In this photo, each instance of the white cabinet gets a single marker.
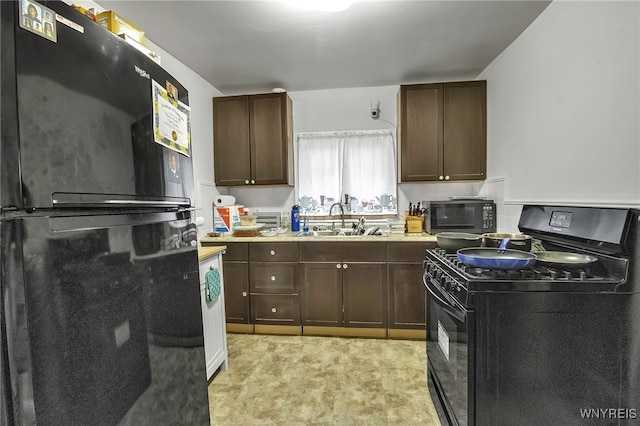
(213, 319)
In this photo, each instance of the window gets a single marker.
(358, 163)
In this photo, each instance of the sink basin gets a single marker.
(333, 233)
(327, 233)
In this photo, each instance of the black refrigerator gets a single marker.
(100, 315)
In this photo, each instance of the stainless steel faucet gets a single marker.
(341, 211)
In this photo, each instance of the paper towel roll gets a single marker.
(224, 200)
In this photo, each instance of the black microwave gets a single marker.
(475, 216)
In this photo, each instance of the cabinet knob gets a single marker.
(244, 294)
(441, 177)
(273, 252)
(446, 177)
(274, 310)
(246, 182)
(338, 266)
(345, 266)
(273, 278)
(253, 182)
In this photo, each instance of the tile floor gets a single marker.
(305, 380)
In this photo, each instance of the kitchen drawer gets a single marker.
(409, 252)
(275, 309)
(270, 277)
(343, 252)
(274, 252)
(237, 251)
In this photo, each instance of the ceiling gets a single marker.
(254, 46)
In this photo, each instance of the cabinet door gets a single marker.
(236, 295)
(421, 132)
(213, 322)
(465, 130)
(270, 138)
(231, 140)
(321, 294)
(365, 294)
(407, 307)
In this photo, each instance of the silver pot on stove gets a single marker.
(520, 242)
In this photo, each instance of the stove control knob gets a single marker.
(444, 281)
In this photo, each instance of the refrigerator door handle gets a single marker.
(79, 223)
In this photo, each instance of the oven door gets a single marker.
(448, 366)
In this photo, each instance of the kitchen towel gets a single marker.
(224, 200)
(212, 284)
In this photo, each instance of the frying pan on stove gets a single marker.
(565, 260)
(496, 258)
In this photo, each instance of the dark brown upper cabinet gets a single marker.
(443, 131)
(253, 140)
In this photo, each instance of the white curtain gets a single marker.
(369, 159)
(358, 163)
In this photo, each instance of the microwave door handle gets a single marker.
(459, 314)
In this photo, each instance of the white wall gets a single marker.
(563, 108)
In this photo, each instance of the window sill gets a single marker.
(351, 215)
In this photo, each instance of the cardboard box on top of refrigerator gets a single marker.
(225, 219)
(118, 25)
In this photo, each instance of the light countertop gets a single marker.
(206, 252)
(289, 237)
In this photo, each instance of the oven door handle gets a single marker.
(458, 313)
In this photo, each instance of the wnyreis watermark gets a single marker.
(608, 413)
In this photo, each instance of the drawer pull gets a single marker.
(273, 278)
(345, 266)
(244, 294)
(274, 310)
(273, 252)
(338, 266)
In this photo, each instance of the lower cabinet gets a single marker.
(407, 295)
(236, 279)
(375, 285)
(213, 318)
(364, 294)
(273, 284)
(340, 288)
(407, 307)
(321, 294)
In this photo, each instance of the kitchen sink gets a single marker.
(327, 233)
(337, 233)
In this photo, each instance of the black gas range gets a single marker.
(543, 345)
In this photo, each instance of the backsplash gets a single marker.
(280, 199)
(508, 215)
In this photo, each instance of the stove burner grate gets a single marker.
(534, 273)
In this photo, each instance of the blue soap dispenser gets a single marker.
(295, 218)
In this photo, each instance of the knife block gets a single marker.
(413, 224)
